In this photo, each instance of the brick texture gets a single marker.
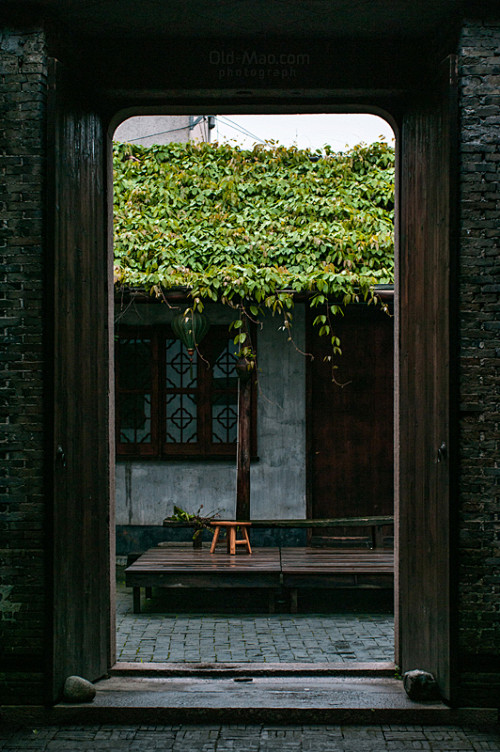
(22, 149)
(252, 738)
(479, 289)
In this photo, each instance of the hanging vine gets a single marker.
(252, 228)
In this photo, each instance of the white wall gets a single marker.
(146, 491)
(147, 130)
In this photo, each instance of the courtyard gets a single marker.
(210, 627)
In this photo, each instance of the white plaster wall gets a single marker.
(148, 130)
(278, 481)
(147, 491)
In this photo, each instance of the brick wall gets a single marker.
(22, 146)
(479, 286)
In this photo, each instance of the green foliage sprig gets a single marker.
(200, 522)
(256, 226)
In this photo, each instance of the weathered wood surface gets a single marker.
(79, 329)
(307, 568)
(265, 568)
(191, 568)
(335, 561)
(192, 560)
(424, 391)
(350, 453)
(333, 522)
(243, 448)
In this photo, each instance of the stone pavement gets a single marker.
(251, 738)
(247, 638)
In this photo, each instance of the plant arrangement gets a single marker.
(253, 228)
(200, 522)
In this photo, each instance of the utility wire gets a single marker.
(227, 121)
(240, 128)
(202, 118)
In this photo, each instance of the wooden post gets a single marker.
(243, 447)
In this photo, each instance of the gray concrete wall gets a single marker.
(147, 491)
(147, 130)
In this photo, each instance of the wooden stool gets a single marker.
(231, 540)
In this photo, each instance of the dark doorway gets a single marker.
(350, 424)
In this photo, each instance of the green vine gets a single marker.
(252, 228)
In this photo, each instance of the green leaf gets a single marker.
(231, 224)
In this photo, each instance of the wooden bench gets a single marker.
(335, 568)
(375, 523)
(267, 568)
(365, 568)
(198, 568)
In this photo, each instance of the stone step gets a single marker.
(257, 699)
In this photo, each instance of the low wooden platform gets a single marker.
(269, 568)
(198, 568)
(335, 568)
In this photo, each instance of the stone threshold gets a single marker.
(284, 699)
(134, 669)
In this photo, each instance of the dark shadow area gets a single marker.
(234, 626)
(248, 601)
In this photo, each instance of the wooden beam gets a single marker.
(334, 522)
(243, 448)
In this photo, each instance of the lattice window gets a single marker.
(171, 406)
(225, 396)
(181, 392)
(134, 371)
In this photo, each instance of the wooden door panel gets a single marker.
(351, 422)
(80, 387)
(423, 385)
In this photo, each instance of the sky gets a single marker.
(305, 131)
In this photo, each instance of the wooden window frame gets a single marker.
(159, 449)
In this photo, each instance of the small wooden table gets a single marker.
(231, 540)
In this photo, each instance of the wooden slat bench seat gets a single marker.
(269, 568)
(375, 523)
(198, 568)
(335, 568)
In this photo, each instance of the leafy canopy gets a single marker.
(253, 227)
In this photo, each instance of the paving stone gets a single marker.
(250, 638)
(252, 738)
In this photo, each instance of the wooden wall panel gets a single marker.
(424, 389)
(350, 422)
(81, 338)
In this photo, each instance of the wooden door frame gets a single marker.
(393, 115)
(79, 343)
(426, 385)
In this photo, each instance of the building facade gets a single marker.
(60, 106)
(147, 130)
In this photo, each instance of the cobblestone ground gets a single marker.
(247, 638)
(212, 738)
